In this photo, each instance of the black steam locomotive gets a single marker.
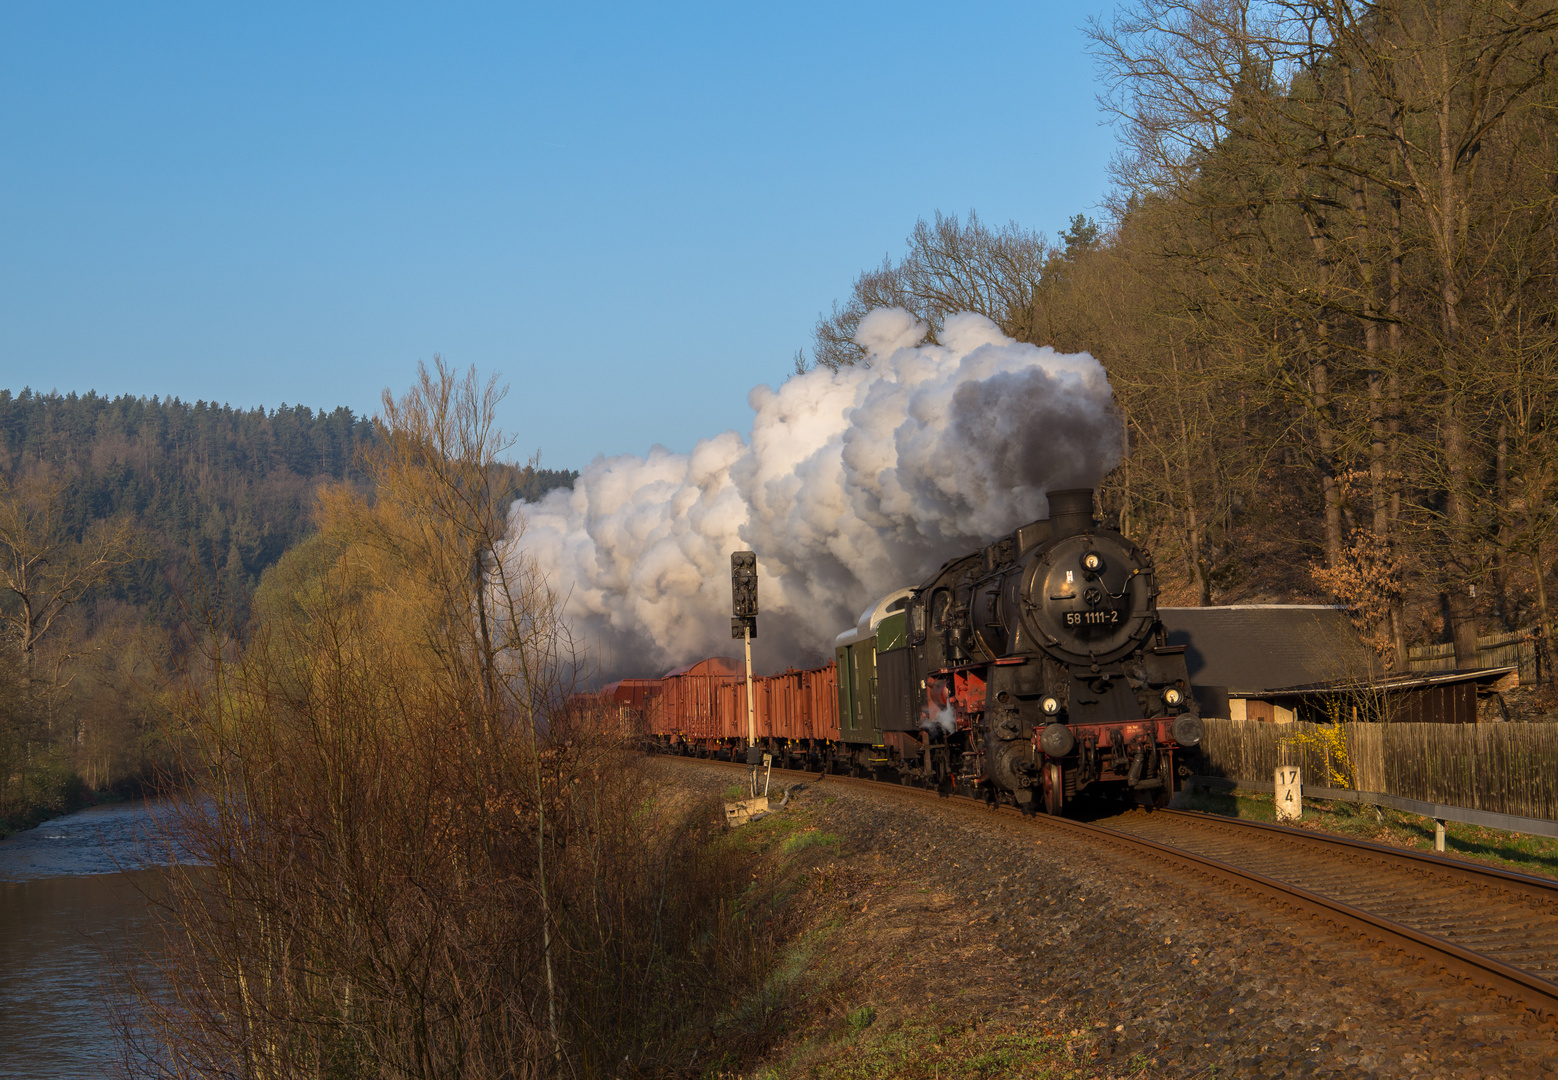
(1034, 670)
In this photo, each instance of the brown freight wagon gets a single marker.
(688, 705)
(631, 703)
(702, 708)
(636, 694)
(791, 707)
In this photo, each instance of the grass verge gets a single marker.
(831, 1006)
(920, 1049)
(1383, 825)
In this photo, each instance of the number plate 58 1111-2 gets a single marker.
(1092, 618)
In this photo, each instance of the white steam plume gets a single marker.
(854, 483)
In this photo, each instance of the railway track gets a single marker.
(1492, 929)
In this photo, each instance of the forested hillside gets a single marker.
(1326, 293)
(128, 527)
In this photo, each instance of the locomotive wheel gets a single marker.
(1165, 794)
(1054, 790)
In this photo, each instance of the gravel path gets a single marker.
(959, 914)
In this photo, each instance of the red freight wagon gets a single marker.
(806, 704)
(631, 703)
(820, 689)
(637, 694)
(702, 708)
(733, 709)
(689, 698)
(795, 706)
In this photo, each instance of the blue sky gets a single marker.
(634, 213)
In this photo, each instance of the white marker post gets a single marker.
(1290, 793)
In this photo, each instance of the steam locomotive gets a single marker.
(1034, 672)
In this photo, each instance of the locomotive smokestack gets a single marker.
(1070, 511)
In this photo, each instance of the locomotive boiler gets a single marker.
(1035, 670)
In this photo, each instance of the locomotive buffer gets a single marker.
(743, 625)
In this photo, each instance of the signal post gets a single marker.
(743, 625)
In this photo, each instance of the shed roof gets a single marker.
(1413, 680)
(1256, 648)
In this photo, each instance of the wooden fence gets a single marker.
(1516, 648)
(1500, 768)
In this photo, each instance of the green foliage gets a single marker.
(810, 838)
(971, 1050)
(1082, 236)
(222, 492)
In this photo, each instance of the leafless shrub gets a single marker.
(411, 852)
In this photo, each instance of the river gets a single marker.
(71, 911)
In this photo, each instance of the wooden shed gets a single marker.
(1283, 662)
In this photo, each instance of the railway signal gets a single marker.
(743, 592)
(743, 625)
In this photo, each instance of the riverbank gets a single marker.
(57, 793)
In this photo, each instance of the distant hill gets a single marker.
(221, 492)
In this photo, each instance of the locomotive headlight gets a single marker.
(1172, 696)
(1092, 562)
(1187, 730)
(1050, 705)
(1056, 740)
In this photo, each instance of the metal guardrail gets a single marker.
(1487, 819)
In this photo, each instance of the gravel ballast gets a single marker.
(962, 915)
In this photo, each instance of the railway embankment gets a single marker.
(941, 940)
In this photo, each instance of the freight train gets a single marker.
(1034, 671)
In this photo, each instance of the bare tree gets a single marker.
(951, 266)
(422, 855)
(1368, 126)
(44, 568)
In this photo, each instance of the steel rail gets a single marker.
(1545, 889)
(1520, 988)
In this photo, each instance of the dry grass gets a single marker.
(972, 1050)
(857, 989)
